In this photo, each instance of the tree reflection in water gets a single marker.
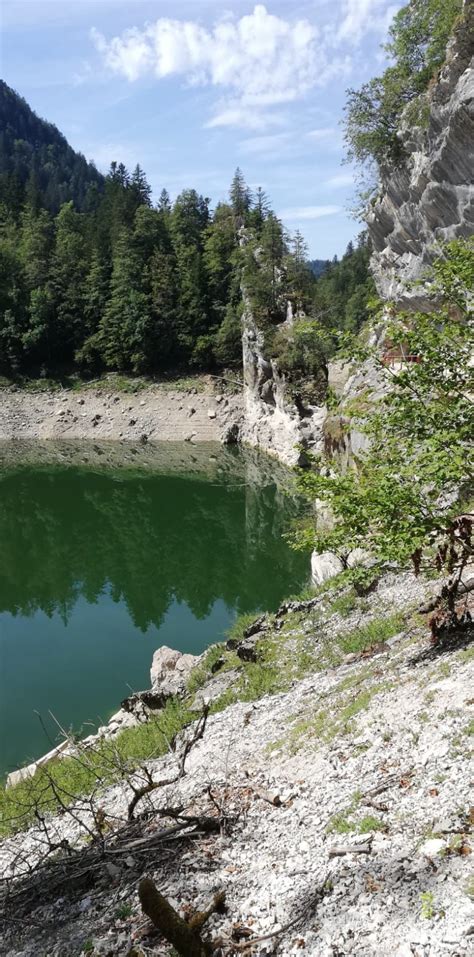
(121, 553)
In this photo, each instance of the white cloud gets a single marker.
(235, 113)
(364, 16)
(309, 212)
(261, 60)
(340, 179)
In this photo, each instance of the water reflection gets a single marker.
(98, 569)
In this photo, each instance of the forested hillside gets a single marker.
(345, 287)
(36, 162)
(94, 276)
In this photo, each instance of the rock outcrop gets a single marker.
(273, 420)
(429, 197)
(170, 670)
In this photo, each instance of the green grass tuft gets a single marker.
(72, 777)
(344, 604)
(202, 672)
(374, 633)
(240, 625)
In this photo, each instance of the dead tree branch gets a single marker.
(152, 785)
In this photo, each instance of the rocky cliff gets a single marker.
(274, 420)
(429, 196)
(424, 200)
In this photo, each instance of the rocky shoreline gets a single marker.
(151, 414)
(168, 674)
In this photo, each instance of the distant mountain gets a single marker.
(37, 161)
(319, 266)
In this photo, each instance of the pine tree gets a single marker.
(274, 249)
(67, 279)
(188, 222)
(260, 210)
(124, 329)
(299, 279)
(140, 188)
(12, 305)
(36, 245)
(164, 202)
(163, 301)
(240, 198)
(39, 338)
(96, 289)
(219, 247)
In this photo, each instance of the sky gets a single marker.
(191, 89)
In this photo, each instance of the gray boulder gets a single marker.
(169, 671)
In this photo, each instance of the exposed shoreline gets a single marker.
(151, 414)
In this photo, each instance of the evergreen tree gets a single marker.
(112, 281)
(299, 279)
(188, 222)
(39, 338)
(240, 198)
(340, 295)
(140, 188)
(96, 295)
(122, 334)
(163, 301)
(219, 247)
(36, 162)
(36, 231)
(12, 306)
(260, 209)
(67, 282)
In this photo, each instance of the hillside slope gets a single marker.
(344, 802)
(37, 161)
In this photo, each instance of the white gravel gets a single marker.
(409, 743)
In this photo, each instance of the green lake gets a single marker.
(108, 553)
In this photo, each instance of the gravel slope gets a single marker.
(392, 775)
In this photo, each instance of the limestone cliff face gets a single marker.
(429, 197)
(272, 420)
(426, 199)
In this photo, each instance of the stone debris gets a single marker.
(154, 412)
(377, 815)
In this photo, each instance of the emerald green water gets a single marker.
(99, 568)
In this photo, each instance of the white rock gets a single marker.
(325, 566)
(122, 719)
(433, 847)
(169, 670)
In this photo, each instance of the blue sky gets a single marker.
(191, 89)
